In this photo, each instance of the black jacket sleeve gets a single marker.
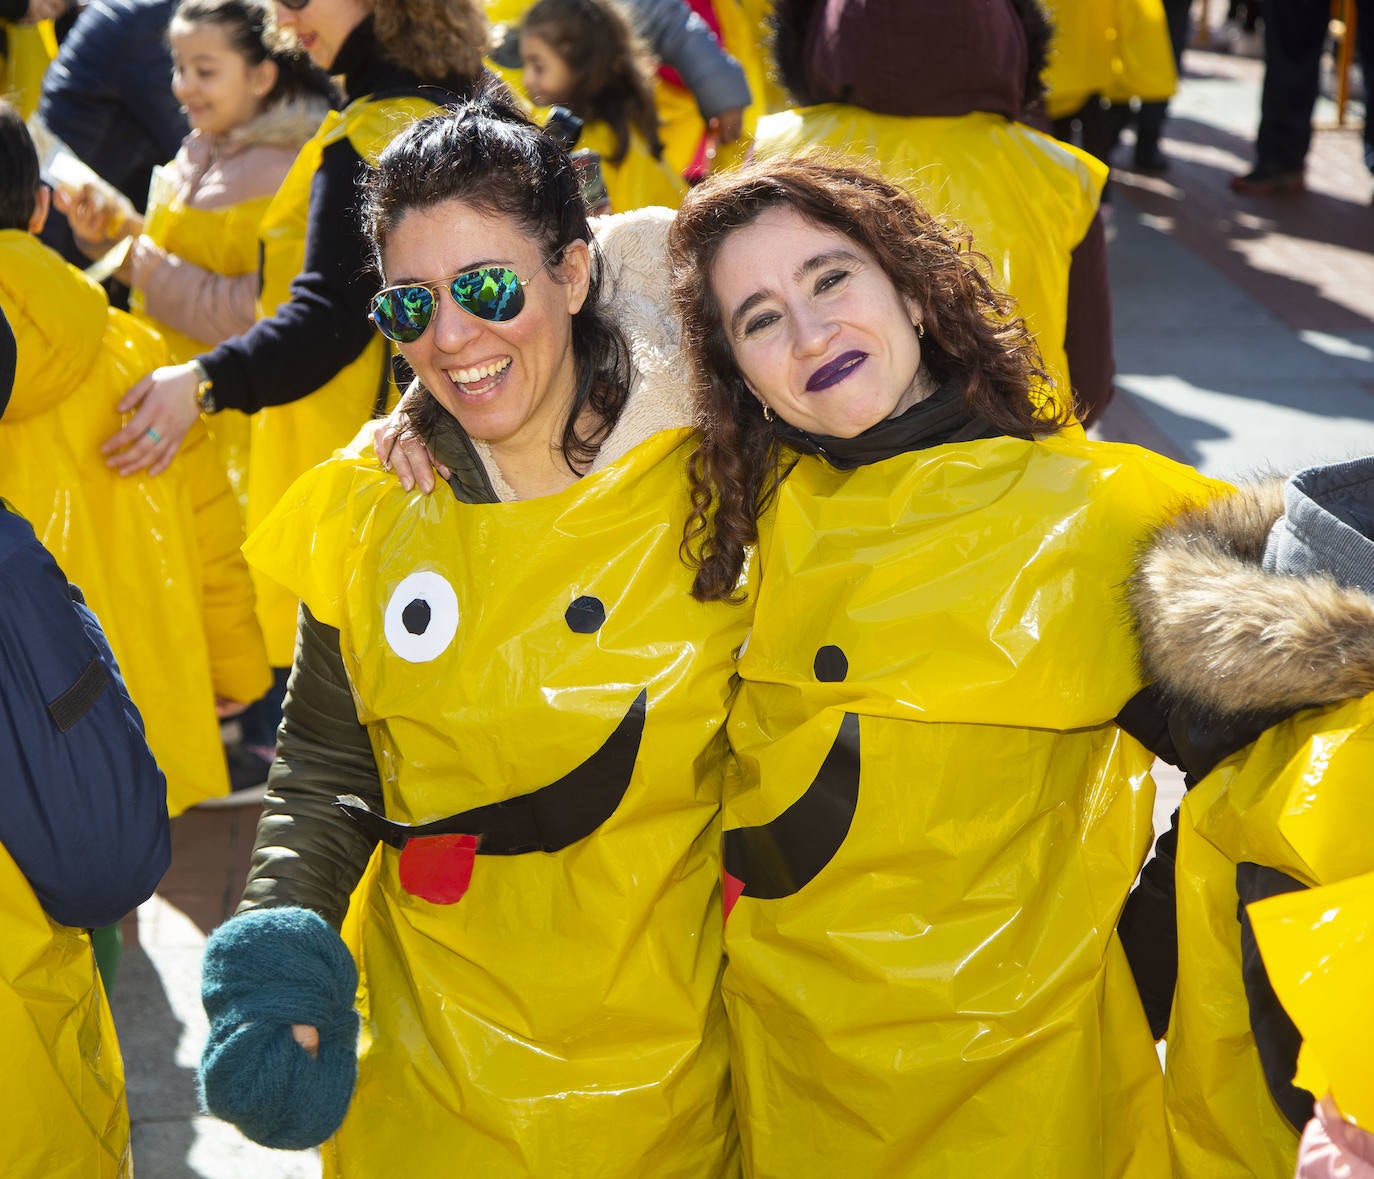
(324, 325)
(309, 853)
(1277, 1038)
(84, 812)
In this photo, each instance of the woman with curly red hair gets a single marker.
(939, 809)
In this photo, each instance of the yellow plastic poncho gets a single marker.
(936, 821)
(25, 54)
(289, 439)
(1297, 800)
(225, 241)
(1318, 948)
(1119, 49)
(639, 180)
(1028, 199)
(563, 1016)
(63, 1115)
(157, 558)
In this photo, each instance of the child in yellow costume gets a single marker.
(937, 815)
(524, 709)
(158, 559)
(252, 101)
(583, 54)
(931, 93)
(1255, 615)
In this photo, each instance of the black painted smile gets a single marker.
(548, 819)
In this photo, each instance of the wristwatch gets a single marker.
(205, 394)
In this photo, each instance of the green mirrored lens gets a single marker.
(403, 314)
(493, 293)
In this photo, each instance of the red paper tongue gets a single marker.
(730, 889)
(438, 868)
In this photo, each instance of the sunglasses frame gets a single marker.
(447, 284)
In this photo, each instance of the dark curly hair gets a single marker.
(489, 156)
(607, 64)
(971, 335)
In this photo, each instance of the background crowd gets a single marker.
(198, 205)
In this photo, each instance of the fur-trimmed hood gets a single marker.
(1220, 632)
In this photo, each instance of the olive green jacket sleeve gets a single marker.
(308, 852)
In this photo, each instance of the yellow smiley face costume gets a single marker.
(936, 822)
(561, 1014)
(1116, 48)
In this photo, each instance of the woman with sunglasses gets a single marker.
(938, 811)
(311, 370)
(510, 685)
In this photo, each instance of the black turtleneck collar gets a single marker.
(365, 69)
(940, 418)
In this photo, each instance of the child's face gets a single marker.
(214, 82)
(547, 78)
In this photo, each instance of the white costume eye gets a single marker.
(421, 618)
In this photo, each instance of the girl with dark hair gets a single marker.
(938, 813)
(584, 55)
(522, 708)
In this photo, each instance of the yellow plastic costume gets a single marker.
(561, 1016)
(639, 180)
(223, 240)
(1296, 801)
(288, 439)
(25, 54)
(1318, 948)
(64, 1114)
(157, 558)
(936, 821)
(1028, 199)
(1116, 48)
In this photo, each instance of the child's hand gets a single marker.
(92, 219)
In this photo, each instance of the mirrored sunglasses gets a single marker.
(494, 294)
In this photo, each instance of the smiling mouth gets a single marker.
(835, 372)
(548, 819)
(480, 379)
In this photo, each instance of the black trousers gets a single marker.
(1294, 37)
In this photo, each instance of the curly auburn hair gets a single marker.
(971, 335)
(436, 39)
(608, 65)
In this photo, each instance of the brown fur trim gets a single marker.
(1217, 631)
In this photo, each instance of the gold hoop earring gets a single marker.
(920, 331)
(767, 413)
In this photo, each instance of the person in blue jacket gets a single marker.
(84, 812)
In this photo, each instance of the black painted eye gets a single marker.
(421, 618)
(585, 616)
(831, 666)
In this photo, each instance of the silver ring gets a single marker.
(154, 435)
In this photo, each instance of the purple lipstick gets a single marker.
(836, 371)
